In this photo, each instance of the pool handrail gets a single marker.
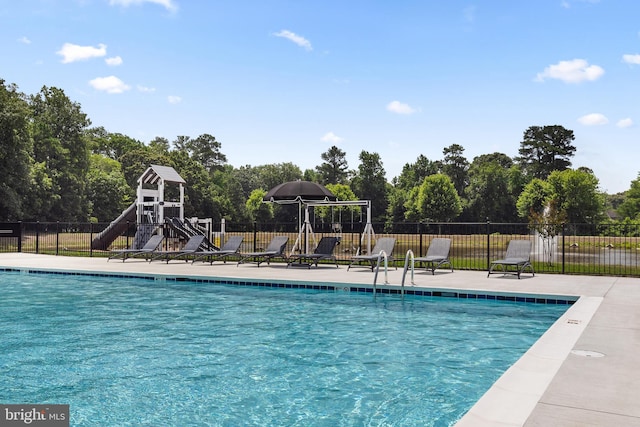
(407, 265)
(382, 254)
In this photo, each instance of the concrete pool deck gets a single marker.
(584, 371)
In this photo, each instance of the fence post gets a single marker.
(19, 236)
(57, 236)
(563, 249)
(127, 234)
(420, 235)
(488, 244)
(90, 239)
(37, 237)
(255, 235)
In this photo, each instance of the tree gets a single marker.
(396, 208)
(492, 192)
(370, 183)
(160, 145)
(58, 127)
(456, 166)
(112, 145)
(335, 169)
(545, 149)
(258, 210)
(203, 149)
(136, 161)
(437, 199)
(534, 198)
(271, 175)
(573, 194)
(414, 173)
(500, 159)
(15, 147)
(199, 193)
(332, 213)
(108, 191)
(229, 195)
(488, 194)
(577, 195)
(630, 207)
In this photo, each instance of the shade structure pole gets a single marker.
(368, 232)
(304, 231)
(297, 243)
(308, 230)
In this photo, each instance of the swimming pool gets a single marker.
(143, 352)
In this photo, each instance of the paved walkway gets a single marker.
(584, 371)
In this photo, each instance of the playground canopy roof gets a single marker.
(298, 192)
(155, 173)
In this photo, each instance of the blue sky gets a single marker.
(283, 81)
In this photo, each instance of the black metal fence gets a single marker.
(591, 249)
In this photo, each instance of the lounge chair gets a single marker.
(274, 250)
(231, 247)
(437, 255)
(385, 244)
(191, 247)
(516, 260)
(324, 250)
(148, 248)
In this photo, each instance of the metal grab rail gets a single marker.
(407, 266)
(381, 254)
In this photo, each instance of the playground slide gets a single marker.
(115, 229)
(186, 230)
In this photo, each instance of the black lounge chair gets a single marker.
(231, 247)
(516, 260)
(274, 250)
(324, 250)
(437, 255)
(385, 244)
(191, 247)
(146, 251)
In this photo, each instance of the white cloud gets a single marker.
(174, 99)
(400, 108)
(574, 71)
(167, 4)
(113, 61)
(24, 40)
(593, 119)
(145, 89)
(332, 138)
(299, 40)
(625, 123)
(73, 52)
(110, 84)
(631, 59)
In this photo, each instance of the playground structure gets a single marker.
(150, 210)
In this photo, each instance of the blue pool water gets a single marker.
(140, 352)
